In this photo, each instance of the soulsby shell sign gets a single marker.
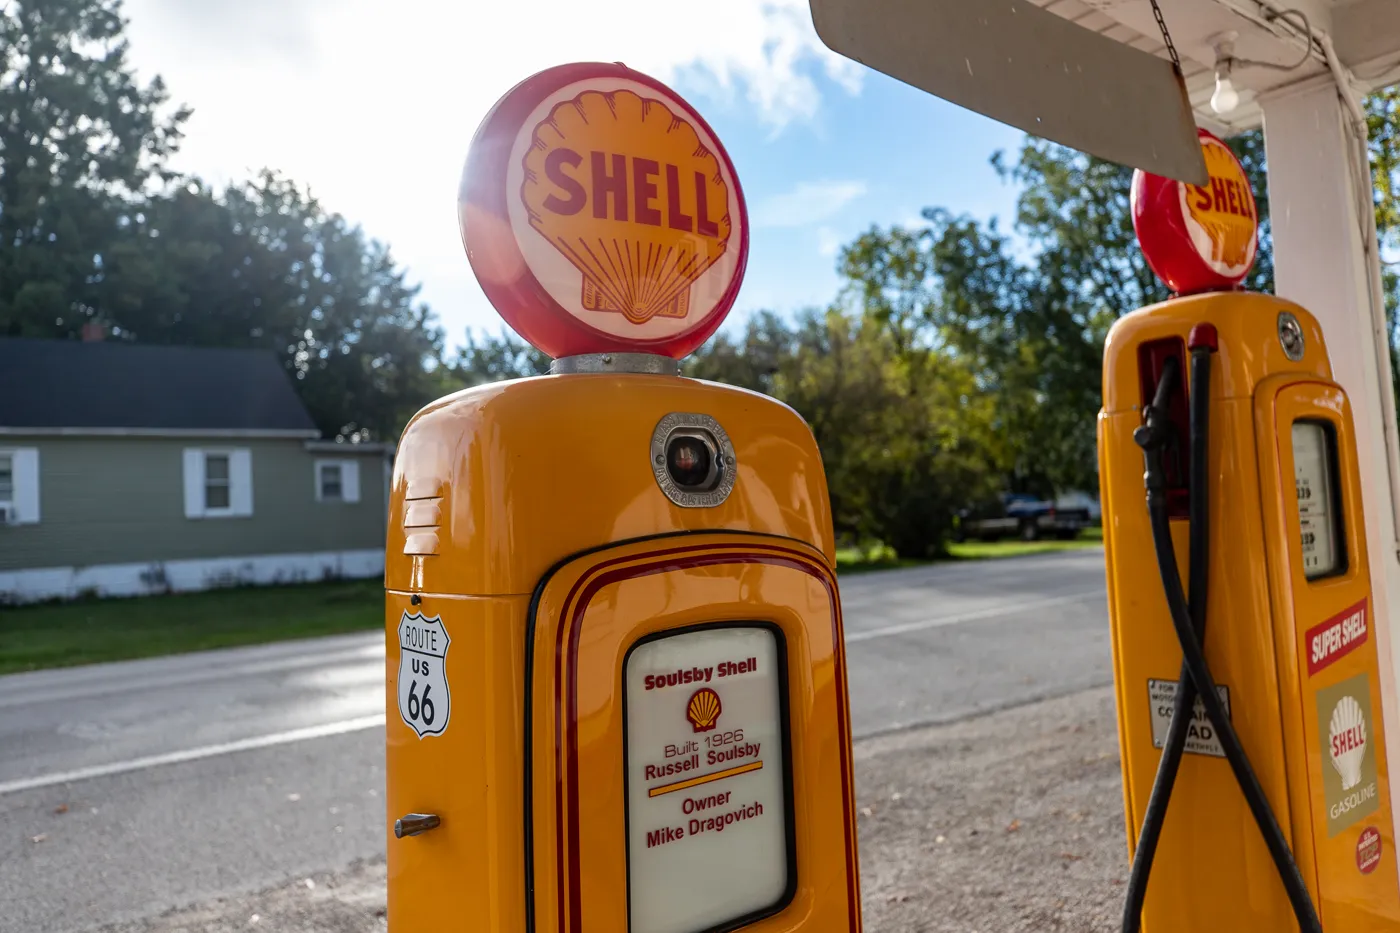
(601, 214)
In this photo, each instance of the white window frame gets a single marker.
(321, 467)
(240, 482)
(349, 479)
(22, 508)
(7, 460)
(217, 511)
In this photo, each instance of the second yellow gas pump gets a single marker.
(616, 670)
(1249, 706)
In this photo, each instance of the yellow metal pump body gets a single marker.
(533, 554)
(1289, 633)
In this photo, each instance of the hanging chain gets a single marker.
(1166, 36)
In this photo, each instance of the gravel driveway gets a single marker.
(1001, 823)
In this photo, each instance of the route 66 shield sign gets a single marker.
(425, 702)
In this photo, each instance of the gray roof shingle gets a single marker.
(114, 385)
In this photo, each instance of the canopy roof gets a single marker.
(1093, 74)
(1365, 34)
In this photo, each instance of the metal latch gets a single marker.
(415, 823)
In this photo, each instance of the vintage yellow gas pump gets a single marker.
(616, 679)
(1249, 708)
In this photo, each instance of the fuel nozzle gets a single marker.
(1157, 430)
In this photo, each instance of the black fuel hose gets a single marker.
(1189, 623)
(1183, 708)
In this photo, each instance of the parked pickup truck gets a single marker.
(1025, 517)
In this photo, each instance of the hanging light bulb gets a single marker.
(1226, 98)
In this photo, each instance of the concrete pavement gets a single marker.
(939, 643)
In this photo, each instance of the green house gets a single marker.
(128, 469)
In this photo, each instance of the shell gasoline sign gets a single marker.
(600, 213)
(1349, 776)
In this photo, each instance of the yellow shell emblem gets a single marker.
(1221, 217)
(627, 192)
(703, 709)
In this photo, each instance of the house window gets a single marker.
(216, 482)
(338, 480)
(331, 486)
(19, 486)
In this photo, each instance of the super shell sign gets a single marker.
(1198, 238)
(601, 214)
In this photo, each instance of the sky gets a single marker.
(372, 104)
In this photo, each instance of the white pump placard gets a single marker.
(1312, 468)
(707, 833)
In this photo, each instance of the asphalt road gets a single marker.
(128, 789)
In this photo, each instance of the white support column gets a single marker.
(1320, 263)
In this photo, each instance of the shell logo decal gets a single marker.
(1347, 732)
(626, 191)
(601, 214)
(1222, 219)
(703, 709)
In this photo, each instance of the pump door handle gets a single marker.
(415, 823)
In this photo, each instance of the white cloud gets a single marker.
(374, 103)
(808, 203)
(828, 242)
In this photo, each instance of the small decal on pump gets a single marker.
(1201, 738)
(425, 702)
(1336, 638)
(1368, 850)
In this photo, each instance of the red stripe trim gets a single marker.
(579, 597)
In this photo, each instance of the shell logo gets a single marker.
(1198, 238)
(1347, 738)
(601, 214)
(1222, 219)
(703, 709)
(626, 191)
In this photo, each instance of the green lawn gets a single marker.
(852, 560)
(976, 550)
(83, 632)
(88, 631)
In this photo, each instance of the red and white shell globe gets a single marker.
(601, 213)
(1198, 239)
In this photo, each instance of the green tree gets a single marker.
(262, 264)
(80, 142)
(1383, 125)
(953, 292)
(491, 359)
(97, 229)
(900, 432)
(1036, 345)
(1074, 211)
(750, 361)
